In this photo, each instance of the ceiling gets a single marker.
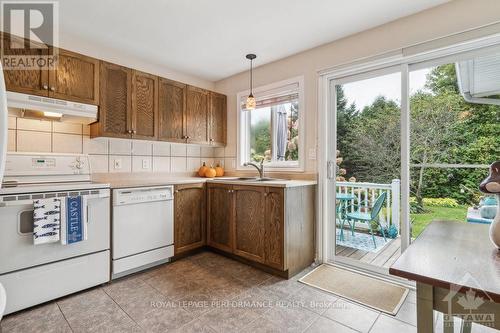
(209, 38)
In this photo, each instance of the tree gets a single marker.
(373, 142)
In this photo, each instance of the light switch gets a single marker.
(117, 163)
(145, 163)
(312, 153)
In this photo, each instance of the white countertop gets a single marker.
(149, 180)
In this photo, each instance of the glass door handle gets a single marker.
(330, 170)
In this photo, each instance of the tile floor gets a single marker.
(207, 293)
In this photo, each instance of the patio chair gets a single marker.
(368, 218)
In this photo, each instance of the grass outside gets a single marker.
(420, 221)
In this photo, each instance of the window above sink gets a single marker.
(274, 131)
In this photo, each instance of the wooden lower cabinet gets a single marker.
(220, 217)
(272, 226)
(249, 222)
(189, 217)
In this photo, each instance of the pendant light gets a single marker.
(250, 105)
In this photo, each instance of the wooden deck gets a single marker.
(384, 258)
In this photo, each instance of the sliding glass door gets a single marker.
(407, 144)
(368, 169)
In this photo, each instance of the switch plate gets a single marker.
(145, 163)
(117, 163)
(312, 153)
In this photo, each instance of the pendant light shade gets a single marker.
(250, 104)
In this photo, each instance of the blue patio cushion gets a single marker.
(359, 216)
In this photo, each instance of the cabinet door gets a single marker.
(144, 106)
(196, 115)
(275, 228)
(217, 124)
(29, 81)
(249, 220)
(75, 78)
(189, 217)
(171, 108)
(220, 213)
(115, 102)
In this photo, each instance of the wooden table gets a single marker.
(457, 270)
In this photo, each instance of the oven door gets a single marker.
(16, 232)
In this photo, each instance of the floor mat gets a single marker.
(360, 288)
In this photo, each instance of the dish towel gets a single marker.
(73, 219)
(46, 220)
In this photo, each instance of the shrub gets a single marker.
(436, 202)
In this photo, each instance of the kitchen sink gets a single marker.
(251, 179)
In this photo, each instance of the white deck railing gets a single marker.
(370, 192)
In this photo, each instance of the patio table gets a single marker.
(344, 199)
(457, 270)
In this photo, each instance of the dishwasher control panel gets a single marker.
(136, 195)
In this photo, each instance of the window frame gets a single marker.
(243, 132)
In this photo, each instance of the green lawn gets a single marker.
(420, 221)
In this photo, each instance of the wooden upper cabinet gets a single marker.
(171, 109)
(75, 78)
(115, 111)
(197, 115)
(33, 82)
(275, 228)
(219, 214)
(217, 119)
(249, 220)
(144, 105)
(189, 217)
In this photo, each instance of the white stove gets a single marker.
(33, 274)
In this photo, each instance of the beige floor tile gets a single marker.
(386, 324)
(95, 311)
(282, 287)
(262, 325)
(352, 315)
(313, 299)
(44, 318)
(325, 325)
(229, 318)
(408, 313)
(196, 326)
(291, 317)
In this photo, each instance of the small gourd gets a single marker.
(219, 171)
(202, 170)
(210, 172)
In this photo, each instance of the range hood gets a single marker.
(31, 106)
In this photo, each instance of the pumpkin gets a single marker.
(210, 172)
(219, 171)
(202, 170)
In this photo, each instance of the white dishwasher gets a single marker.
(142, 228)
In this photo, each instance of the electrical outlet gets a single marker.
(145, 163)
(117, 163)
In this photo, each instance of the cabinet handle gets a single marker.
(211, 140)
(52, 88)
(176, 191)
(129, 132)
(265, 194)
(134, 131)
(45, 87)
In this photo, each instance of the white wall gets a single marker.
(451, 18)
(107, 53)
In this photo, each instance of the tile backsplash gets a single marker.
(109, 154)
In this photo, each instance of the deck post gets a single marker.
(395, 208)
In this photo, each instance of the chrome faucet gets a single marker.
(260, 167)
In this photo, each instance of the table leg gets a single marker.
(425, 302)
